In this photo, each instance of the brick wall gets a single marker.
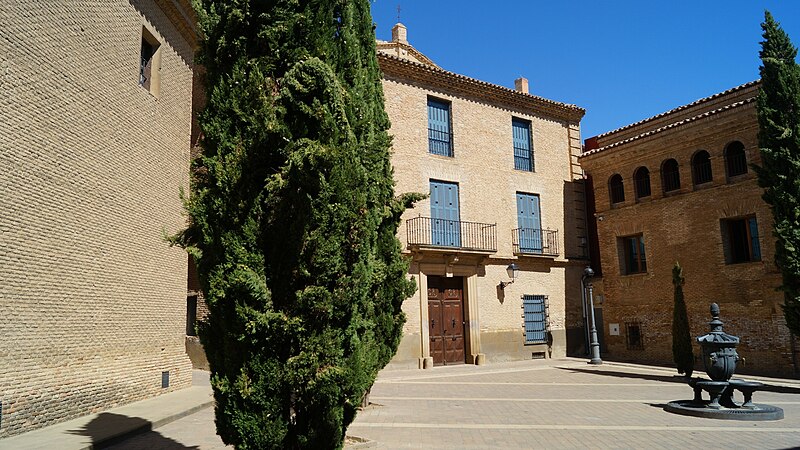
(92, 299)
(685, 226)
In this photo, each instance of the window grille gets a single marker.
(536, 314)
(633, 336)
(523, 150)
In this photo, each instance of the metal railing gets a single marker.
(534, 241)
(427, 231)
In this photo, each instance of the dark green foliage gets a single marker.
(682, 352)
(293, 219)
(779, 141)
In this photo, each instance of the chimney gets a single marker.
(521, 85)
(400, 33)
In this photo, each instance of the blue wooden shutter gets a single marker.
(445, 215)
(439, 142)
(521, 132)
(756, 247)
(535, 311)
(529, 222)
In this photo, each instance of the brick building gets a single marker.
(679, 187)
(95, 129)
(505, 188)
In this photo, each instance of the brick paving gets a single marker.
(530, 404)
(557, 404)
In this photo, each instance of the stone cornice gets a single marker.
(384, 46)
(413, 72)
(182, 15)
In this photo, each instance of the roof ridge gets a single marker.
(682, 107)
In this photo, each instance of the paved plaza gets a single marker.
(531, 404)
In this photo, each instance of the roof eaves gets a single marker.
(558, 109)
(670, 126)
(681, 108)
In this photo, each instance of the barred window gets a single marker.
(535, 312)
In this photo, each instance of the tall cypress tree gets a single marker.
(778, 107)
(682, 352)
(293, 219)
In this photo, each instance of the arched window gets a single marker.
(701, 167)
(735, 159)
(641, 182)
(617, 189)
(670, 176)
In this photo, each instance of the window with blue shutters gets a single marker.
(523, 150)
(535, 311)
(529, 222)
(445, 215)
(440, 137)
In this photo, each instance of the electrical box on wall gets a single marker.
(613, 329)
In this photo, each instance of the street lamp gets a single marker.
(595, 346)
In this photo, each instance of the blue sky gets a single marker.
(621, 60)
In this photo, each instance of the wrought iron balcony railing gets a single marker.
(534, 241)
(426, 231)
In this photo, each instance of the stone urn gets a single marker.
(719, 349)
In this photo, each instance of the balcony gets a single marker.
(535, 242)
(455, 234)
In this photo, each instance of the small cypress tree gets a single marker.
(293, 219)
(682, 352)
(778, 109)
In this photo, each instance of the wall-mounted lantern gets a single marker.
(512, 270)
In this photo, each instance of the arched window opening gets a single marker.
(735, 159)
(641, 182)
(670, 176)
(701, 167)
(617, 189)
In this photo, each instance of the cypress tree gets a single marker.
(292, 219)
(682, 352)
(778, 109)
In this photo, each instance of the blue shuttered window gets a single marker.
(523, 150)
(535, 311)
(440, 138)
(445, 215)
(529, 222)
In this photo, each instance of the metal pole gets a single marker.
(585, 316)
(595, 345)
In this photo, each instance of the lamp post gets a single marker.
(595, 346)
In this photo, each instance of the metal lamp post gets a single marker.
(595, 346)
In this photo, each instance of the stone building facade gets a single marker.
(95, 126)
(505, 188)
(679, 187)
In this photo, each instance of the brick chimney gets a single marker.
(521, 85)
(400, 33)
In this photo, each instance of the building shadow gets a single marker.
(109, 429)
(676, 379)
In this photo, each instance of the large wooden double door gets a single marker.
(446, 320)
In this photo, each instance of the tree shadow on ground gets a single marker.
(676, 379)
(109, 429)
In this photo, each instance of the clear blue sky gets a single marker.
(622, 61)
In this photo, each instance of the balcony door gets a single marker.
(529, 222)
(445, 216)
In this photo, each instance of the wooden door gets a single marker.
(446, 320)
